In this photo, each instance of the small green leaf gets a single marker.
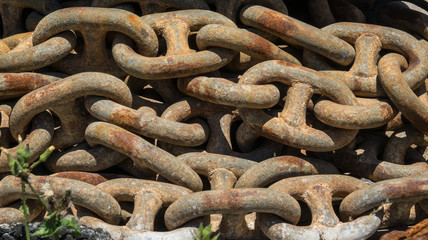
(53, 224)
(47, 229)
(15, 167)
(21, 209)
(71, 223)
(207, 231)
(23, 153)
(21, 149)
(204, 233)
(41, 231)
(197, 233)
(215, 238)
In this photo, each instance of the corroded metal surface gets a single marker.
(91, 178)
(38, 140)
(84, 158)
(233, 94)
(291, 128)
(394, 190)
(143, 153)
(169, 114)
(82, 193)
(95, 56)
(18, 84)
(12, 214)
(220, 119)
(242, 41)
(298, 33)
(38, 55)
(233, 201)
(419, 231)
(392, 80)
(179, 60)
(317, 192)
(145, 122)
(274, 169)
(363, 161)
(70, 114)
(361, 78)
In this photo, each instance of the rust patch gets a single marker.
(419, 230)
(229, 199)
(134, 19)
(260, 45)
(123, 139)
(91, 178)
(402, 190)
(277, 23)
(386, 111)
(289, 64)
(39, 182)
(23, 83)
(357, 83)
(296, 161)
(126, 118)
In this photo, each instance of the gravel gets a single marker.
(17, 232)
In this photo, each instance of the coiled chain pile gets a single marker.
(267, 119)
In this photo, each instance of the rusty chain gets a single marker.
(267, 119)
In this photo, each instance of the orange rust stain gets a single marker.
(23, 82)
(134, 19)
(358, 83)
(386, 111)
(75, 9)
(278, 23)
(229, 198)
(123, 139)
(40, 181)
(90, 178)
(261, 46)
(288, 64)
(402, 189)
(420, 229)
(295, 161)
(126, 118)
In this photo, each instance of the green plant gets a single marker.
(53, 222)
(204, 233)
